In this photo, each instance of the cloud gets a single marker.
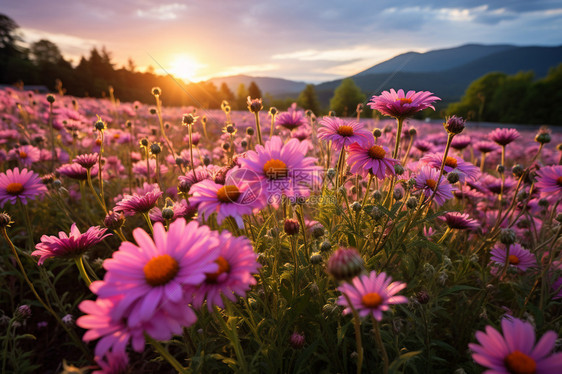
(71, 46)
(162, 12)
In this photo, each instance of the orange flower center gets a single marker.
(431, 183)
(160, 270)
(98, 141)
(404, 100)
(377, 152)
(519, 363)
(513, 260)
(345, 130)
(14, 188)
(228, 194)
(275, 169)
(224, 267)
(23, 154)
(371, 300)
(116, 135)
(559, 181)
(451, 162)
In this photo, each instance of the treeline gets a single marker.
(519, 98)
(43, 64)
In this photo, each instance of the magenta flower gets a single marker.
(25, 154)
(135, 203)
(342, 133)
(400, 106)
(229, 200)
(237, 264)
(519, 258)
(371, 158)
(22, 185)
(186, 181)
(87, 160)
(280, 169)
(549, 179)
(464, 169)
(426, 181)
(140, 168)
(291, 119)
(460, 221)
(515, 351)
(154, 273)
(76, 171)
(504, 136)
(371, 294)
(460, 142)
(181, 209)
(69, 246)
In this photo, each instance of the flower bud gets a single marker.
(156, 91)
(114, 220)
(155, 148)
(377, 195)
(331, 173)
(398, 169)
(316, 258)
(167, 213)
(325, 246)
(507, 236)
(422, 297)
(50, 99)
(356, 206)
(317, 231)
(412, 131)
(377, 133)
(500, 169)
(454, 125)
(332, 113)
(297, 340)
(517, 170)
(291, 226)
(100, 126)
(188, 119)
(230, 128)
(453, 177)
(398, 194)
(23, 312)
(250, 131)
(345, 264)
(273, 111)
(543, 137)
(5, 220)
(412, 203)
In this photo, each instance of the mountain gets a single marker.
(272, 86)
(442, 72)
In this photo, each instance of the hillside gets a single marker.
(273, 86)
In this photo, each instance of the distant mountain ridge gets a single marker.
(445, 72)
(273, 86)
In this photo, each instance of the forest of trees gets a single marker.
(519, 98)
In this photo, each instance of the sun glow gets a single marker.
(185, 67)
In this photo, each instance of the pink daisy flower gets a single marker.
(69, 246)
(342, 133)
(515, 351)
(400, 106)
(291, 119)
(280, 169)
(371, 158)
(519, 257)
(135, 203)
(116, 333)
(229, 200)
(504, 136)
(87, 160)
(464, 169)
(549, 179)
(371, 294)
(426, 180)
(112, 363)
(76, 171)
(460, 142)
(23, 185)
(237, 263)
(140, 168)
(26, 155)
(460, 221)
(155, 272)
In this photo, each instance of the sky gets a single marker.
(304, 40)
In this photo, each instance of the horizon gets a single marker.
(312, 42)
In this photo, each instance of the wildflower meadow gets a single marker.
(152, 239)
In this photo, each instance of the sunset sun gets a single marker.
(184, 67)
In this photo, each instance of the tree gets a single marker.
(226, 94)
(9, 37)
(254, 91)
(45, 52)
(309, 100)
(241, 97)
(346, 97)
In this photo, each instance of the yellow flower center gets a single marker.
(14, 188)
(377, 152)
(559, 181)
(431, 183)
(160, 270)
(404, 100)
(345, 130)
(371, 300)
(275, 169)
(519, 363)
(224, 267)
(513, 260)
(23, 154)
(451, 162)
(228, 194)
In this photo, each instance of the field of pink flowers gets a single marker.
(150, 239)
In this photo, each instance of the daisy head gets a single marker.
(371, 294)
(19, 185)
(342, 133)
(371, 159)
(400, 105)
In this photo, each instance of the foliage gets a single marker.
(346, 97)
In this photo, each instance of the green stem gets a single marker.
(230, 330)
(258, 127)
(398, 135)
(165, 354)
(444, 235)
(29, 229)
(80, 265)
(378, 339)
(357, 327)
(190, 130)
(148, 222)
(100, 174)
(91, 186)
